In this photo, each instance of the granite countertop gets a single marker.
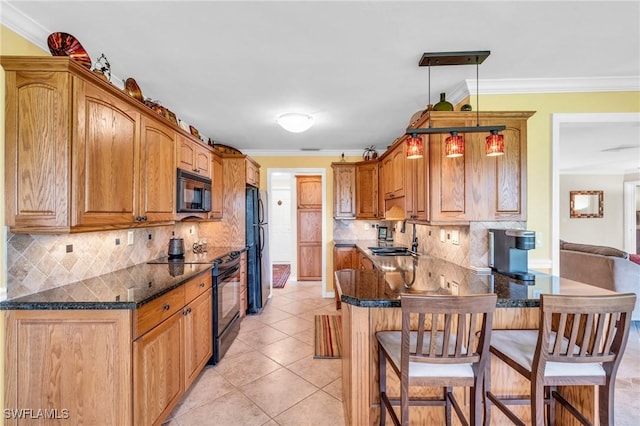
(127, 288)
(394, 276)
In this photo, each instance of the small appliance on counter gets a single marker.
(508, 252)
(176, 248)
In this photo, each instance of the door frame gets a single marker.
(323, 175)
(557, 120)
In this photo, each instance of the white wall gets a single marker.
(606, 231)
(280, 223)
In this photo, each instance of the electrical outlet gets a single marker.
(69, 248)
(129, 238)
(366, 226)
(443, 235)
(455, 290)
(191, 230)
(455, 237)
(117, 241)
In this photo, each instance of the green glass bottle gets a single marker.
(443, 105)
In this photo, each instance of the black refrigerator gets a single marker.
(258, 265)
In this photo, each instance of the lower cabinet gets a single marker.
(109, 367)
(343, 258)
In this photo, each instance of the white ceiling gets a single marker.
(229, 68)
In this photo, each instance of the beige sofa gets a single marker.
(603, 267)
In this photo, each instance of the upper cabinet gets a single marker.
(417, 186)
(217, 187)
(81, 155)
(252, 172)
(476, 187)
(344, 190)
(193, 157)
(367, 190)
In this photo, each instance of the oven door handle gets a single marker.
(229, 272)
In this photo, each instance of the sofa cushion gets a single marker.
(593, 249)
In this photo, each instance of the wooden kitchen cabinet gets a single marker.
(367, 190)
(170, 355)
(417, 187)
(343, 258)
(81, 154)
(344, 190)
(193, 157)
(364, 262)
(475, 187)
(394, 170)
(110, 366)
(74, 360)
(252, 172)
(217, 187)
(158, 379)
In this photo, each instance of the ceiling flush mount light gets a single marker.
(454, 144)
(295, 122)
(414, 147)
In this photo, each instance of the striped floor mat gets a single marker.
(328, 336)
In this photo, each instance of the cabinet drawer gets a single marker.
(156, 311)
(196, 286)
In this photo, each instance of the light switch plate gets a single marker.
(443, 235)
(129, 238)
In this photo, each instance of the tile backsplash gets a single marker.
(41, 262)
(472, 250)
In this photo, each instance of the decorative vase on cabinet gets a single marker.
(443, 105)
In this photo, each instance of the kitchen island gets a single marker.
(371, 302)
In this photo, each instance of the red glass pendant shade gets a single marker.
(414, 147)
(495, 144)
(454, 146)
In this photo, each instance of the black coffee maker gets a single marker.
(508, 252)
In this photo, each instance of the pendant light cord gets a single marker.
(477, 96)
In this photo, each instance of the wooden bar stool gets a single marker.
(448, 347)
(580, 342)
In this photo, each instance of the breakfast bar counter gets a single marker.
(371, 302)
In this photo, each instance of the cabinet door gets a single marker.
(157, 173)
(198, 333)
(365, 262)
(309, 192)
(105, 151)
(252, 173)
(203, 161)
(417, 187)
(217, 188)
(398, 158)
(77, 362)
(344, 190)
(345, 258)
(448, 182)
(158, 371)
(367, 190)
(37, 150)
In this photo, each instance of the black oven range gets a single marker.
(226, 294)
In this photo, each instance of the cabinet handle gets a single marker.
(143, 218)
(201, 284)
(185, 313)
(166, 307)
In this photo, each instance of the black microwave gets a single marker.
(193, 193)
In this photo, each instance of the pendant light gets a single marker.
(414, 147)
(494, 144)
(454, 144)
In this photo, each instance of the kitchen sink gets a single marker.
(390, 251)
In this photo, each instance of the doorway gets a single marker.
(281, 186)
(630, 202)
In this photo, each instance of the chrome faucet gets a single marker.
(414, 240)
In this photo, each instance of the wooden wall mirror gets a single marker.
(586, 204)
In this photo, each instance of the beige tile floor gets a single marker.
(269, 376)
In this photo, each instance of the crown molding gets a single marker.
(24, 26)
(304, 153)
(511, 86)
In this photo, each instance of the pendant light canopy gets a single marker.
(454, 144)
(414, 147)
